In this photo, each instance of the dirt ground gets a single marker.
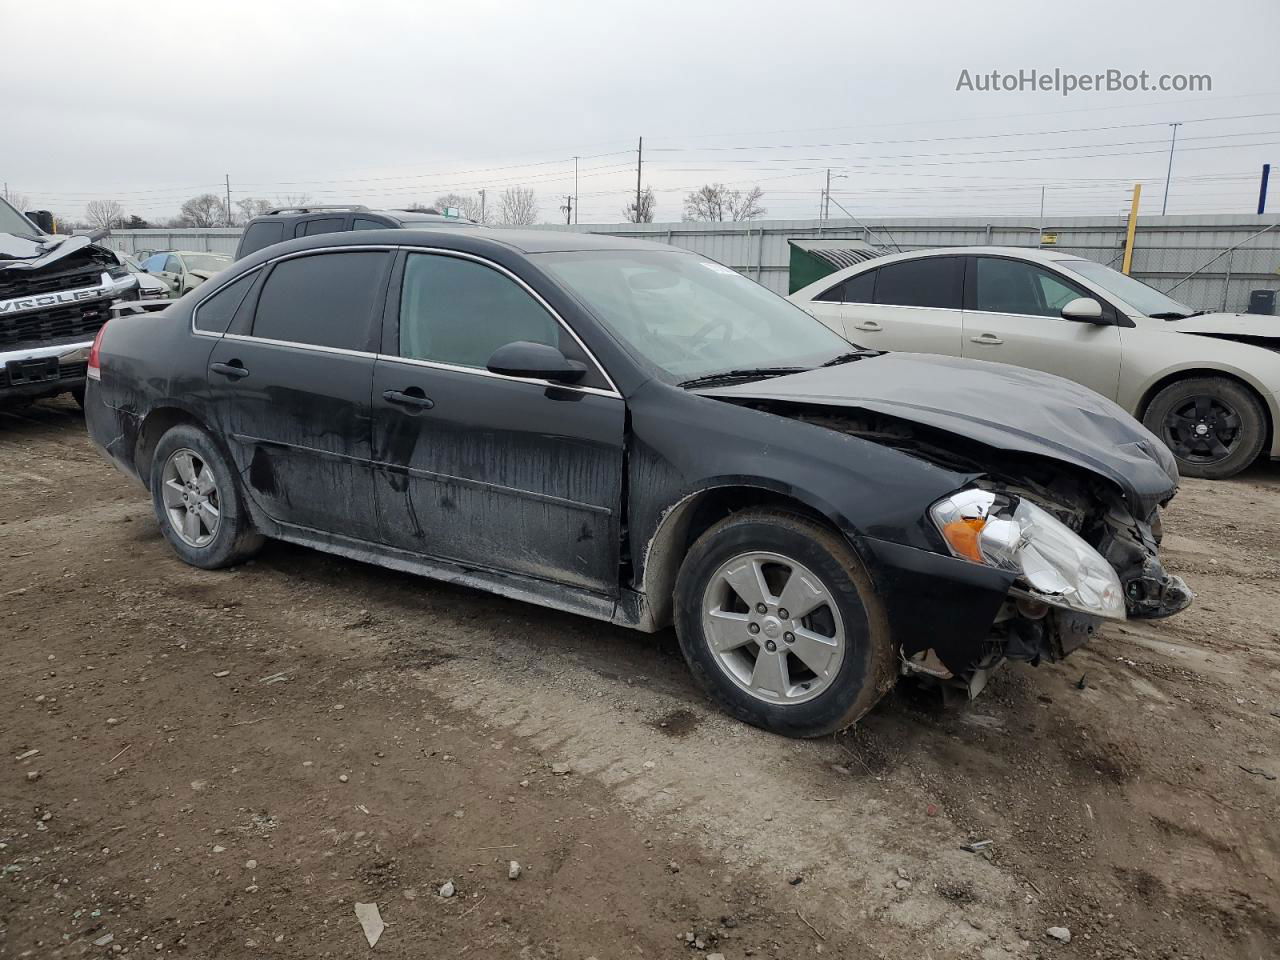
(222, 764)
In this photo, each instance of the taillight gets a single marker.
(94, 371)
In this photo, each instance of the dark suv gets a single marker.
(289, 222)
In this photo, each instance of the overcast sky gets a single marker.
(389, 103)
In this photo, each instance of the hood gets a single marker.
(36, 253)
(1245, 326)
(1002, 406)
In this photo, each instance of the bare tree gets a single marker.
(706, 203)
(104, 214)
(746, 206)
(251, 207)
(19, 201)
(469, 205)
(644, 212)
(518, 207)
(292, 200)
(715, 201)
(206, 210)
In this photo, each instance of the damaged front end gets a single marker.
(1074, 564)
(1056, 550)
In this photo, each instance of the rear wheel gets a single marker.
(1215, 427)
(780, 624)
(197, 501)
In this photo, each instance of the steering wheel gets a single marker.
(703, 334)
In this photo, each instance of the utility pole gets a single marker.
(1169, 172)
(1132, 230)
(639, 162)
(482, 206)
(1040, 241)
(568, 207)
(228, 176)
(575, 189)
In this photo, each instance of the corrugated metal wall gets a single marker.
(1166, 249)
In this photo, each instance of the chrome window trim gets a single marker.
(463, 255)
(195, 311)
(903, 306)
(314, 347)
(391, 358)
(481, 372)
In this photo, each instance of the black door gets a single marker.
(291, 390)
(492, 471)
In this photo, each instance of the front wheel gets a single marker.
(780, 624)
(197, 502)
(1215, 427)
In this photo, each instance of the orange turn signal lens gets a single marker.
(962, 536)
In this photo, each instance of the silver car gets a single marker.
(1206, 384)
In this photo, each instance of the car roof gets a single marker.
(1037, 254)
(197, 253)
(462, 237)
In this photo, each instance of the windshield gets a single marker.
(205, 261)
(1148, 300)
(13, 222)
(689, 317)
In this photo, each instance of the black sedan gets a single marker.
(635, 433)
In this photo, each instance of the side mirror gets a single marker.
(1085, 309)
(535, 361)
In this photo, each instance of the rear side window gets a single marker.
(214, 313)
(325, 300)
(927, 282)
(856, 289)
(362, 224)
(259, 235)
(325, 225)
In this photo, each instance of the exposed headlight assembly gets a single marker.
(1010, 533)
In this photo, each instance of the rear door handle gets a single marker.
(990, 339)
(869, 325)
(412, 398)
(235, 369)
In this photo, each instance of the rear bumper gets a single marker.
(113, 432)
(42, 370)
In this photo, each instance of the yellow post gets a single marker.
(1133, 227)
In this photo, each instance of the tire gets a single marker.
(218, 538)
(819, 691)
(78, 395)
(1215, 427)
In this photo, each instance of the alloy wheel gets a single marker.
(773, 627)
(1202, 429)
(190, 496)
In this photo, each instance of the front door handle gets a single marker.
(989, 339)
(235, 369)
(413, 398)
(869, 325)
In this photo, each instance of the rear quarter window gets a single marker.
(214, 313)
(259, 235)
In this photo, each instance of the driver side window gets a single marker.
(458, 311)
(1012, 286)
